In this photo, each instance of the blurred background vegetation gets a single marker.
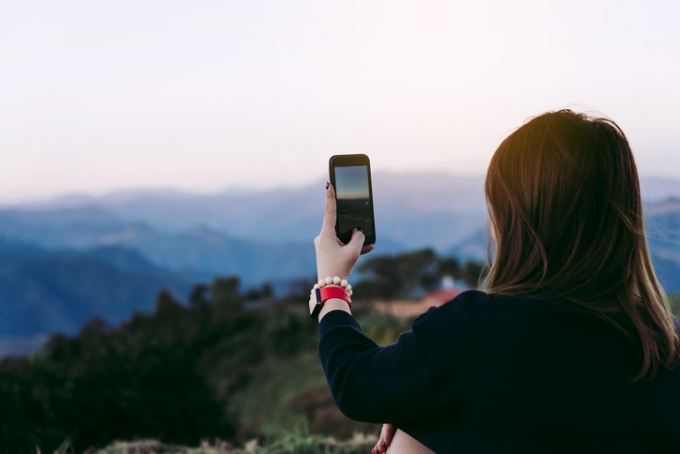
(230, 370)
(229, 366)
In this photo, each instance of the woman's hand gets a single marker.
(386, 435)
(333, 258)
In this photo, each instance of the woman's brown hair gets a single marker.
(564, 199)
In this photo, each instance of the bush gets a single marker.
(167, 375)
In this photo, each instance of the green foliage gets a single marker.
(473, 273)
(167, 375)
(264, 407)
(675, 305)
(395, 276)
(291, 443)
(399, 276)
(449, 266)
(182, 374)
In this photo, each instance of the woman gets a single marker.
(571, 346)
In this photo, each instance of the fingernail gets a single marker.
(327, 184)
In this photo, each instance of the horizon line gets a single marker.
(79, 196)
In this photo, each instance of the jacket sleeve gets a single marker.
(394, 384)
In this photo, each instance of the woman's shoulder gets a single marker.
(461, 310)
(475, 310)
(474, 301)
(469, 302)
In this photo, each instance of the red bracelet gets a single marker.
(321, 295)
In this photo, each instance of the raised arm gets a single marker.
(393, 384)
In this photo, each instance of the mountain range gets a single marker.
(71, 258)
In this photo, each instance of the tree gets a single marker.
(199, 295)
(449, 266)
(398, 276)
(224, 294)
(384, 277)
(416, 269)
(474, 273)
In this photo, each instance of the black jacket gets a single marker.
(504, 374)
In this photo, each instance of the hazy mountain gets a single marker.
(662, 223)
(64, 261)
(411, 210)
(658, 189)
(199, 252)
(267, 234)
(43, 291)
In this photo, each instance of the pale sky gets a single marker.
(202, 96)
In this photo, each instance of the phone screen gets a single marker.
(353, 200)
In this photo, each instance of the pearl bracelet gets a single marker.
(333, 280)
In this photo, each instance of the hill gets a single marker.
(43, 291)
(198, 253)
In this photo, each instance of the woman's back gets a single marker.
(546, 372)
(511, 374)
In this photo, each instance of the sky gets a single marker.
(201, 96)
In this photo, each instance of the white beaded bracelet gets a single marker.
(333, 280)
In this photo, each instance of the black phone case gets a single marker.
(353, 160)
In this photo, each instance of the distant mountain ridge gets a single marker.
(44, 291)
(199, 251)
(249, 232)
(72, 258)
(412, 209)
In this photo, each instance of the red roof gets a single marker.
(442, 296)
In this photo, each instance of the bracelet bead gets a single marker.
(336, 280)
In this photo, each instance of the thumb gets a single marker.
(357, 241)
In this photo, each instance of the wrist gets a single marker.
(342, 276)
(328, 290)
(334, 304)
(335, 281)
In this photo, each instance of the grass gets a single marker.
(264, 406)
(289, 444)
(290, 395)
(675, 304)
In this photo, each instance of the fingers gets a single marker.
(386, 435)
(366, 249)
(389, 434)
(380, 447)
(329, 216)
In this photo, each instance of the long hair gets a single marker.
(565, 206)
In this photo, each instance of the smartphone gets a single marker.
(351, 177)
